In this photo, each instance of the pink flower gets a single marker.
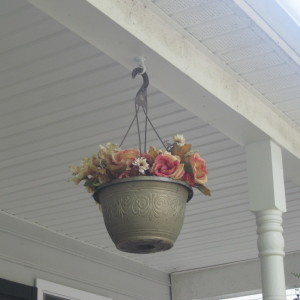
(125, 157)
(198, 166)
(188, 178)
(167, 165)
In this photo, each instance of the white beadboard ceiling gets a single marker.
(60, 97)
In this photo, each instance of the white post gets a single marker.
(267, 201)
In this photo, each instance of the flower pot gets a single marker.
(143, 214)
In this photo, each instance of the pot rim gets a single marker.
(145, 178)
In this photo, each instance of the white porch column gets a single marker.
(267, 202)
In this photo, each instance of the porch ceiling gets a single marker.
(60, 97)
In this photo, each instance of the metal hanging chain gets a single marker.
(142, 101)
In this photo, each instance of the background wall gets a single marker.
(28, 252)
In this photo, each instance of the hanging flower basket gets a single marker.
(143, 214)
(143, 193)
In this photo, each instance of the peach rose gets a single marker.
(167, 165)
(125, 157)
(198, 166)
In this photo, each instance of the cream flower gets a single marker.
(179, 139)
(142, 164)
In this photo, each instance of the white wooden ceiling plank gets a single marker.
(239, 39)
(203, 250)
(232, 247)
(220, 154)
(37, 50)
(290, 185)
(225, 143)
(90, 230)
(201, 203)
(259, 62)
(32, 192)
(53, 210)
(294, 115)
(59, 89)
(8, 7)
(292, 192)
(19, 202)
(228, 183)
(256, 76)
(211, 260)
(171, 7)
(65, 216)
(290, 224)
(35, 154)
(227, 170)
(201, 13)
(16, 19)
(29, 34)
(33, 184)
(77, 111)
(215, 164)
(66, 222)
(219, 26)
(41, 204)
(70, 155)
(64, 125)
(213, 218)
(213, 228)
(92, 233)
(59, 75)
(47, 64)
(238, 54)
(289, 105)
(245, 226)
(283, 95)
(79, 221)
(103, 242)
(219, 182)
(293, 200)
(201, 210)
(287, 81)
(218, 239)
(36, 175)
(50, 108)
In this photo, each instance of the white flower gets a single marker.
(179, 139)
(142, 164)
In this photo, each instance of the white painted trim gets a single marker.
(230, 279)
(267, 28)
(51, 288)
(31, 252)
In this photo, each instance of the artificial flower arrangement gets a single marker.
(178, 161)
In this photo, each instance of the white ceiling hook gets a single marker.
(141, 62)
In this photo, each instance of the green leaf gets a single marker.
(204, 190)
(296, 274)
